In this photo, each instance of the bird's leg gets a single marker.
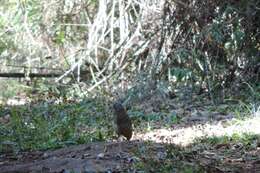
(122, 154)
(120, 144)
(119, 140)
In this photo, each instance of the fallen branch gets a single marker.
(31, 75)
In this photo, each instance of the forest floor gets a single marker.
(197, 140)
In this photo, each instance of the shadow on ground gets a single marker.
(160, 151)
(135, 156)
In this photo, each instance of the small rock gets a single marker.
(100, 155)
(85, 155)
(45, 155)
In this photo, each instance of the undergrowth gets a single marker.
(45, 126)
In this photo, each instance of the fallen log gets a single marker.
(31, 75)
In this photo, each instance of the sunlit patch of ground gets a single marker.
(16, 102)
(186, 135)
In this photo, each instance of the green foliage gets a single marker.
(60, 37)
(181, 74)
(49, 126)
(221, 47)
(215, 48)
(11, 88)
(244, 138)
(147, 122)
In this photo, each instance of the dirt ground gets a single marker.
(173, 145)
(96, 157)
(123, 156)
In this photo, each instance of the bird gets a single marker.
(122, 121)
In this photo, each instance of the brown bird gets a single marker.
(123, 122)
